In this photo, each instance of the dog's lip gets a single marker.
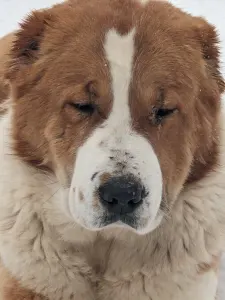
(120, 219)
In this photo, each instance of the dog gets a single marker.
(112, 155)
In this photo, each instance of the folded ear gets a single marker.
(26, 46)
(209, 41)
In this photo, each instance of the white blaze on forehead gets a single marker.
(120, 52)
(120, 48)
(147, 1)
(143, 1)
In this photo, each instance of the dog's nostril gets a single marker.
(133, 204)
(134, 201)
(114, 201)
(121, 194)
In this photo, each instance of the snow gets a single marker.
(12, 11)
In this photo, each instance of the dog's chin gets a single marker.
(128, 223)
(138, 229)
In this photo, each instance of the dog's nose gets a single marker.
(121, 195)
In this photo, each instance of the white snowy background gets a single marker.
(12, 11)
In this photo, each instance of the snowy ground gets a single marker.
(12, 11)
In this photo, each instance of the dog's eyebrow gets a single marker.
(91, 88)
(160, 97)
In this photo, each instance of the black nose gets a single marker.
(121, 195)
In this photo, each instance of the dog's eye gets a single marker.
(161, 113)
(85, 108)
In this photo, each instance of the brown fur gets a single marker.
(10, 289)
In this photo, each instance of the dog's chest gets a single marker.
(124, 272)
(164, 287)
(104, 270)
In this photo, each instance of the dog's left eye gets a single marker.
(85, 108)
(161, 113)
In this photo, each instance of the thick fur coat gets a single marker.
(153, 74)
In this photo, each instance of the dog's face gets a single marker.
(120, 101)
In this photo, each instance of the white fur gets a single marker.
(205, 289)
(143, 1)
(116, 138)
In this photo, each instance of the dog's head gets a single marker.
(120, 100)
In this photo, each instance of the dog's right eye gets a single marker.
(159, 114)
(85, 108)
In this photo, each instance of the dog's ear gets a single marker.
(209, 41)
(26, 46)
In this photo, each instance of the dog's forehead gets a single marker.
(88, 24)
(88, 32)
(137, 38)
